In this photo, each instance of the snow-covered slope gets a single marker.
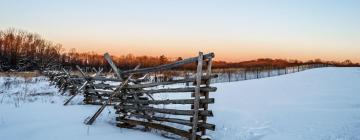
(318, 104)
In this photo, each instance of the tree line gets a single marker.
(20, 50)
(24, 51)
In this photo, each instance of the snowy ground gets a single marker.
(318, 104)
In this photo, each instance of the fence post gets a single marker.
(229, 75)
(197, 96)
(207, 82)
(298, 67)
(187, 76)
(245, 74)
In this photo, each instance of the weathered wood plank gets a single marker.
(178, 101)
(147, 85)
(170, 129)
(105, 79)
(83, 85)
(174, 90)
(76, 93)
(100, 90)
(172, 120)
(98, 103)
(82, 73)
(98, 79)
(68, 79)
(186, 89)
(197, 96)
(165, 111)
(114, 98)
(97, 113)
(205, 106)
(168, 66)
(113, 66)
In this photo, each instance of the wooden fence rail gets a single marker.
(136, 103)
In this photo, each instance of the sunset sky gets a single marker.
(235, 30)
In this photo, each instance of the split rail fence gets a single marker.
(138, 102)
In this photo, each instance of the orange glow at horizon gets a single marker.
(233, 30)
(224, 51)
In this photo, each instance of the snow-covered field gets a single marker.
(318, 104)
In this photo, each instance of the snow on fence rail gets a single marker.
(135, 102)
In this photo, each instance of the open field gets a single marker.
(317, 104)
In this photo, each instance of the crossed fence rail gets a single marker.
(135, 100)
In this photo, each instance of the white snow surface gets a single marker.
(317, 104)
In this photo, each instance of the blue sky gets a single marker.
(234, 30)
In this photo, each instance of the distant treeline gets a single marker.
(280, 63)
(23, 51)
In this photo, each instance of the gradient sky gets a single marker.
(235, 30)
